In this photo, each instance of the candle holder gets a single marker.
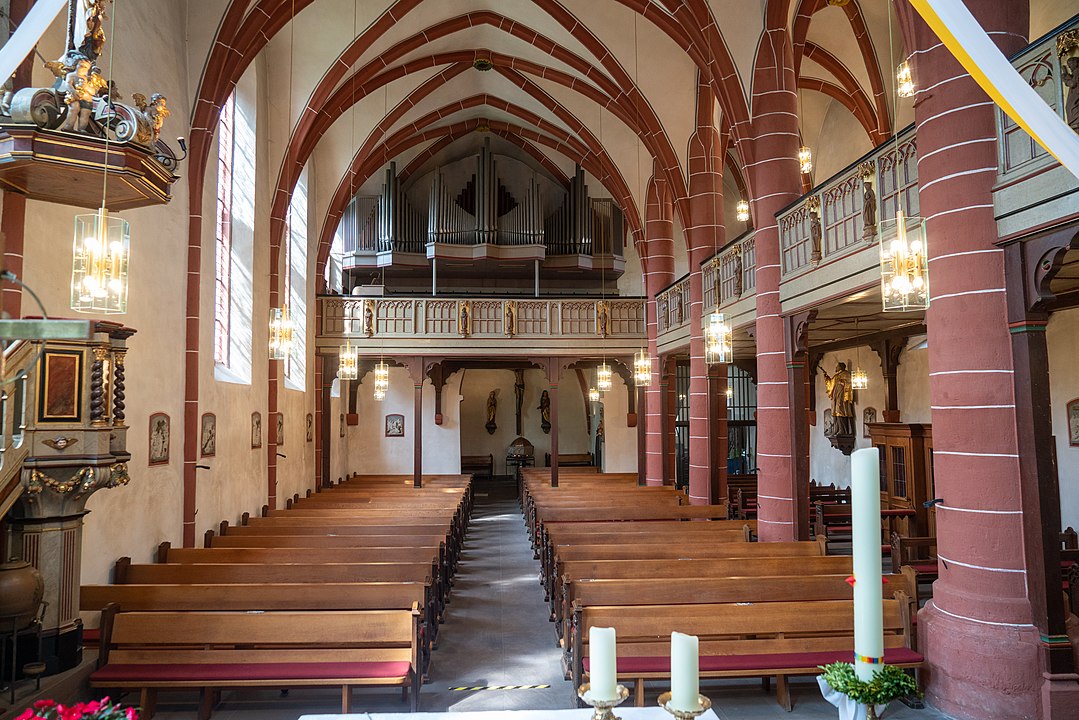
(603, 708)
(705, 706)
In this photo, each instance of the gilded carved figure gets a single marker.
(545, 411)
(736, 262)
(840, 392)
(80, 85)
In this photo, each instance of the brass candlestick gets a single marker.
(603, 708)
(705, 706)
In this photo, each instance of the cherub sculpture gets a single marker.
(81, 84)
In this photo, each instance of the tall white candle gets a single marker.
(868, 611)
(603, 662)
(685, 672)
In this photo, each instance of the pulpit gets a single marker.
(906, 471)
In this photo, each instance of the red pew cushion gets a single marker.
(254, 671)
(777, 661)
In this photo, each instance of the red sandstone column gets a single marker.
(983, 650)
(774, 183)
(658, 274)
(704, 236)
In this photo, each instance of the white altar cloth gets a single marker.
(626, 713)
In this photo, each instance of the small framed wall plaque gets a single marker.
(159, 439)
(395, 425)
(256, 430)
(1073, 423)
(208, 441)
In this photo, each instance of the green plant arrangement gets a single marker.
(887, 684)
(102, 709)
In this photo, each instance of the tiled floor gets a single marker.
(497, 633)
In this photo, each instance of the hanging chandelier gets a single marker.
(348, 367)
(280, 333)
(742, 211)
(718, 339)
(100, 253)
(730, 393)
(603, 377)
(904, 264)
(904, 81)
(805, 160)
(642, 369)
(382, 379)
(593, 395)
(859, 380)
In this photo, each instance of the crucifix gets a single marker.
(519, 392)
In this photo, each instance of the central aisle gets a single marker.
(497, 630)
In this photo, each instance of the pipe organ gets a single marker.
(487, 209)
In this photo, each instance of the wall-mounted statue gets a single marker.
(492, 410)
(509, 319)
(869, 202)
(840, 392)
(545, 412)
(464, 318)
(815, 233)
(603, 318)
(1069, 75)
(736, 262)
(368, 317)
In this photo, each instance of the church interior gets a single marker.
(559, 358)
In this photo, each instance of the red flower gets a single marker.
(132, 714)
(27, 714)
(41, 704)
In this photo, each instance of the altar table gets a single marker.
(626, 713)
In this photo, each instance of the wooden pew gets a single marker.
(571, 460)
(747, 553)
(215, 650)
(749, 588)
(917, 553)
(770, 639)
(270, 596)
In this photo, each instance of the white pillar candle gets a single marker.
(868, 610)
(685, 672)
(603, 663)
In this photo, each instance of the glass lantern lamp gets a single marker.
(717, 340)
(280, 333)
(593, 395)
(904, 81)
(100, 254)
(382, 379)
(642, 369)
(859, 380)
(904, 264)
(348, 367)
(805, 160)
(742, 211)
(603, 377)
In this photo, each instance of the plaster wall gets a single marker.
(131, 520)
(619, 440)
(371, 452)
(1062, 336)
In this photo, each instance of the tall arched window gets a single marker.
(295, 284)
(234, 236)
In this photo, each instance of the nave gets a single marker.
(497, 633)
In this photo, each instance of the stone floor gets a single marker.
(497, 633)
